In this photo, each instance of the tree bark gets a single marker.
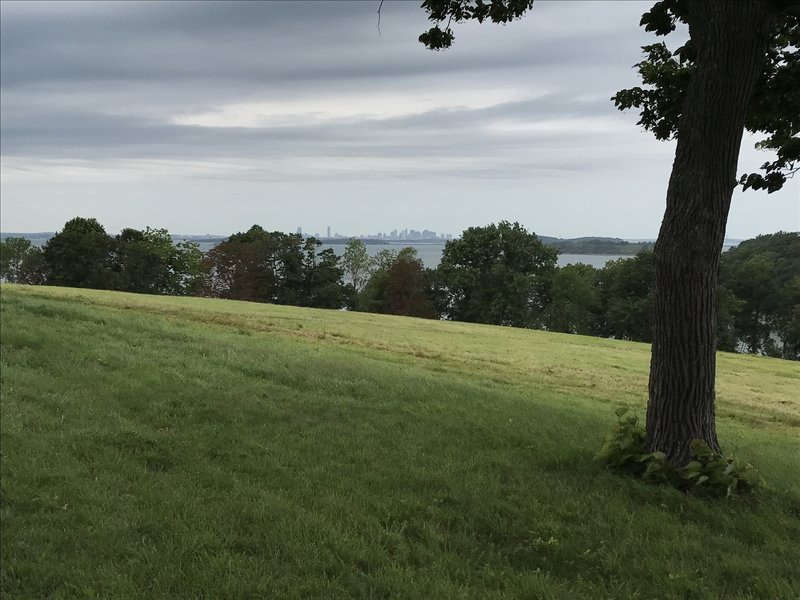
(731, 41)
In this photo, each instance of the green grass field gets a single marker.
(160, 447)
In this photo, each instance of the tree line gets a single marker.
(500, 274)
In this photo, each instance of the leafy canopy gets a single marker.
(774, 111)
(498, 274)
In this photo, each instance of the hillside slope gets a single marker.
(186, 448)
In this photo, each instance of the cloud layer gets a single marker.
(158, 113)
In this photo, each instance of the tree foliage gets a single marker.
(399, 285)
(21, 262)
(762, 278)
(357, 264)
(497, 274)
(665, 74)
(149, 262)
(774, 110)
(79, 255)
(574, 300)
(275, 267)
(446, 12)
(627, 298)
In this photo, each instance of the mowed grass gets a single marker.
(187, 448)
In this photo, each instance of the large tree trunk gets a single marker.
(731, 40)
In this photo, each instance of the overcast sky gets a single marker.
(208, 117)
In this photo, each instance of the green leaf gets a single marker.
(700, 449)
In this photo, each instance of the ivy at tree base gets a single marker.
(708, 473)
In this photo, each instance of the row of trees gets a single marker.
(758, 302)
(500, 274)
(84, 255)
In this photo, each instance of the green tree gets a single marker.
(574, 300)
(34, 269)
(739, 69)
(497, 274)
(14, 251)
(149, 262)
(408, 287)
(142, 260)
(322, 277)
(791, 331)
(187, 267)
(275, 267)
(399, 285)
(384, 259)
(728, 309)
(373, 296)
(357, 264)
(755, 283)
(761, 274)
(627, 298)
(244, 267)
(79, 255)
(291, 270)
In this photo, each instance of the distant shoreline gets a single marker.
(587, 246)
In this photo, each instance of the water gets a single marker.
(431, 254)
(598, 261)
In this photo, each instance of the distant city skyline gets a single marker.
(394, 234)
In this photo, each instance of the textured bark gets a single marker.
(731, 39)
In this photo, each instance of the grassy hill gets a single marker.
(186, 448)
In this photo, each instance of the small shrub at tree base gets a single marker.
(624, 447)
(709, 473)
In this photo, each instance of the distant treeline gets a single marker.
(582, 245)
(499, 274)
(596, 245)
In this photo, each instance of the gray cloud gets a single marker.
(438, 136)
(92, 89)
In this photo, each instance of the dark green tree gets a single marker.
(290, 270)
(761, 274)
(498, 274)
(399, 285)
(373, 297)
(141, 261)
(626, 297)
(791, 335)
(244, 267)
(186, 263)
(728, 309)
(262, 266)
(408, 287)
(738, 69)
(16, 260)
(322, 277)
(574, 300)
(79, 255)
(149, 262)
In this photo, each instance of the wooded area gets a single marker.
(499, 274)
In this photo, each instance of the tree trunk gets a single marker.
(731, 40)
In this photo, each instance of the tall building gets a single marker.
(299, 231)
(329, 231)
